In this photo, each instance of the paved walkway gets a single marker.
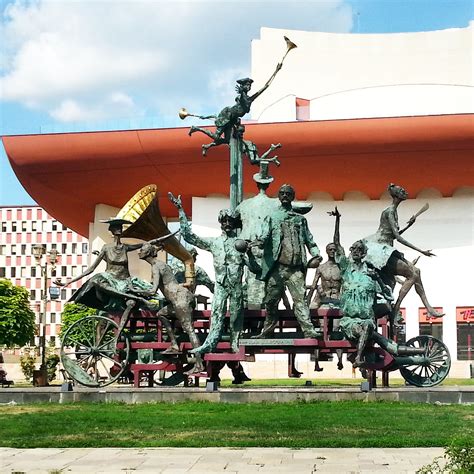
(216, 460)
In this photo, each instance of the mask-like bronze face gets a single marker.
(227, 224)
(115, 229)
(398, 192)
(331, 250)
(286, 194)
(358, 251)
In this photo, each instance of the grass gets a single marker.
(334, 383)
(204, 424)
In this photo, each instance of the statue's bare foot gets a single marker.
(204, 150)
(340, 365)
(434, 314)
(172, 350)
(357, 362)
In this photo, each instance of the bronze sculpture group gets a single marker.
(261, 253)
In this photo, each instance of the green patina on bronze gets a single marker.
(228, 268)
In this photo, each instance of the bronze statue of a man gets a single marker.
(284, 263)
(180, 299)
(228, 267)
(329, 275)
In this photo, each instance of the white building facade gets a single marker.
(332, 76)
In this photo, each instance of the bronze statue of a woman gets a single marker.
(109, 290)
(382, 254)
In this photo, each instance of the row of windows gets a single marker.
(25, 249)
(465, 333)
(34, 272)
(53, 318)
(37, 294)
(23, 226)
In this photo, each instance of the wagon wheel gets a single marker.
(89, 351)
(432, 372)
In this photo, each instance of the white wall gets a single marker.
(353, 66)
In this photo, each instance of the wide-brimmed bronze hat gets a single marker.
(115, 221)
(260, 178)
(245, 80)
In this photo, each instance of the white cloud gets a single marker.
(66, 57)
(116, 104)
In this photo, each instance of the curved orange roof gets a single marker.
(68, 174)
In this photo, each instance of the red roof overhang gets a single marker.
(68, 174)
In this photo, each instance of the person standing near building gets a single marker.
(284, 263)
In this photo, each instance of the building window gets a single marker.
(23, 226)
(465, 330)
(23, 249)
(54, 225)
(64, 227)
(32, 294)
(33, 271)
(43, 226)
(14, 226)
(465, 341)
(63, 248)
(2, 249)
(2, 272)
(430, 329)
(74, 248)
(34, 226)
(52, 318)
(23, 272)
(63, 271)
(4, 226)
(430, 326)
(302, 109)
(84, 248)
(63, 294)
(13, 249)
(12, 272)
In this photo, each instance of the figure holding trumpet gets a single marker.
(229, 117)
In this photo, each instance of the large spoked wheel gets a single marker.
(91, 354)
(434, 369)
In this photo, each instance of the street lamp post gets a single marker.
(39, 250)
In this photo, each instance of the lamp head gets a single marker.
(38, 251)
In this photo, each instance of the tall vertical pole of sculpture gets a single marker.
(229, 129)
(236, 177)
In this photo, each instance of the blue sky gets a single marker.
(83, 65)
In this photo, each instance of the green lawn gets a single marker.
(394, 382)
(191, 424)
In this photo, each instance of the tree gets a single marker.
(72, 312)
(17, 320)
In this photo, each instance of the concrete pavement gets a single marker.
(216, 460)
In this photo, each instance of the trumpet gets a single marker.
(289, 46)
(183, 113)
